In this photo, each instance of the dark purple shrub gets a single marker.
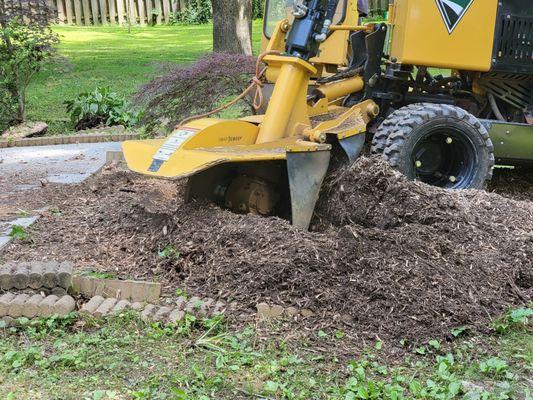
(35, 12)
(183, 91)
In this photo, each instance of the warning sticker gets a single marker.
(173, 143)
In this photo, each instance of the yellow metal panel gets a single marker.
(183, 163)
(421, 37)
(209, 147)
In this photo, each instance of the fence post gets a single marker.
(112, 12)
(166, 10)
(142, 17)
(68, 10)
(60, 11)
(148, 5)
(86, 12)
(103, 11)
(78, 12)
(158, 10)
(120, 11)
(94, 9)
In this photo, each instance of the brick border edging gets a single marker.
(71, 139)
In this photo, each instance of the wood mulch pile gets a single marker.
(386, 257)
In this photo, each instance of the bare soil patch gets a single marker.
(386, 258)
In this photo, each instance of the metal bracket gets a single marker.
(306, 171)
(353, 146)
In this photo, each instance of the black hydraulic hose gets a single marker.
(332, 9)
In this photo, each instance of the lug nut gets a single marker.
(449, 140)
(453, 179)
(418, 164)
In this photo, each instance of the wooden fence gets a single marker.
(102, 12)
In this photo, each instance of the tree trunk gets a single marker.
(232, 30)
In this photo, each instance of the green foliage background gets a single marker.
(200, 11)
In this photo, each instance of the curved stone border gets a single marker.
(101, 307)
(49, 277)
(70, 139)
(13, 306)
(267, 311)
(134, 291)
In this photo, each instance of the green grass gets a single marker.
(110, 56)
(122, 358)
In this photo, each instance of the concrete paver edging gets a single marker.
(100, 307)
(147, 292)
(267, 311)
(50, 277)
(16, 305)
(70, 139)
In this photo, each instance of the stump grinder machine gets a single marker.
(442, 90)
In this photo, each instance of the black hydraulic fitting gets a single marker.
(310, 28)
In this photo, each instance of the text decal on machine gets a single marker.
(173, 143)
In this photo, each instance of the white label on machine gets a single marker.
(173, 143)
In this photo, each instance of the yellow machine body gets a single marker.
(291, 131)
(247, 161)
(419, 36)
(206, 143)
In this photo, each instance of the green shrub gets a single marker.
(183, 91)
(196, 12)
(8, 108)
(100, 108)
(24, 49)
(200, 12)
(258, 9)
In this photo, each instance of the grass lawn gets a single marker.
(109, 56)
(122, 358)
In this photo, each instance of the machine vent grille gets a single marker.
(516, 90)
(514, 42)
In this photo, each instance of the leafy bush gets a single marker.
(185, 91)
(24, 48)
(98, 108)
(258, 9)
(35, 12)
(196, 12)
(201, 12)
(514, 319)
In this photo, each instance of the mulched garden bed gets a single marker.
(386, 257)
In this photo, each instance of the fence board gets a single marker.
(78, 13)
(166, 10)
(132, 11)
(120, 11)
(94, 10)
(158, 10)
(135, 11)
(142, 16)
(112, 12)
(148, 4)
(60, 11)
(68, 11)
(103, 11)
(86, 12)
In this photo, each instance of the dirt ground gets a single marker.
(386, 257)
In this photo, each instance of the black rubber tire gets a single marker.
(410, 125)
(379, 141)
